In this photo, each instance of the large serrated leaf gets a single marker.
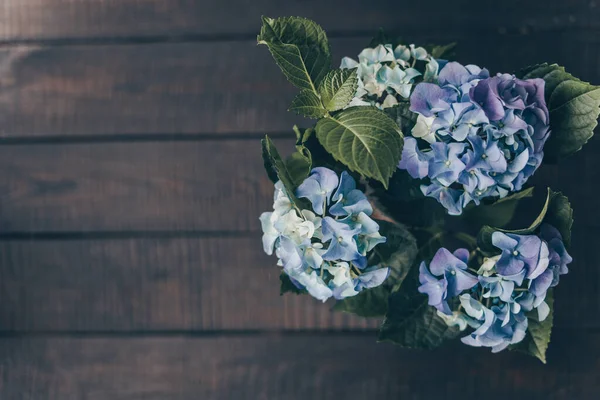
(308, 104)
(557, 212)
(397, 253)
(338, 88)
(411, 322)
(538, 333)
(364, 139)
(299, 47)
(574, 107)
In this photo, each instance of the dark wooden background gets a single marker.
(131, 185)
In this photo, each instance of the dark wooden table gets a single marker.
(131, 184)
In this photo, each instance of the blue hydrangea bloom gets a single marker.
(500, 122)
(497, 286)
(322, 255)
(509, 286)
(451, 199)
(342, 245)
(445, 166)
(455, 279)
(386, 76)
(415, 162)
(318, 188)
(498, 327)
(349, 200)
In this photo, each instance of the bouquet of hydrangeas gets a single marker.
(401, 200)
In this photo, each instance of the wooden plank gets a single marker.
(207, 185)
(289, 367)
(148, 186)
(210, 88)
(185, 285)
(59, 19)
(198, 284)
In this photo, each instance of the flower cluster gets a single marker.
(386, 74)
(324, 250)
(475, 136)
(494, 299)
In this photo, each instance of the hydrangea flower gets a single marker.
(386, 75)
(496, 302)
(500, 125)
(323, 249)
(497, 327)
(522, 256)
(452, 268)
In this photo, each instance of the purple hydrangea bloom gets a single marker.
(445, 165)
(452, 268)
(502, 121)
(523, 256)
(415, 162)
(558, 257)
(428, 99)
(456, 75)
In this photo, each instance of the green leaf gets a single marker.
(299, 164)
(498, 213)
(538, 333)
(338, 88)
(557, 212)
(302, 137)
(299, 47)
(402, 115)
(277, 168)
(287, 286)
(308, 104)
(364, 139)
(368, 303)
(560, 215)
(397, 253)
(445, 52)
(411, 322)
(574, 107)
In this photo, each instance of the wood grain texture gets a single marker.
(159, 186)
(209, 185)
(288, 367)
(197, 284)
(59, 19)
(211, 88)
(147, 285)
